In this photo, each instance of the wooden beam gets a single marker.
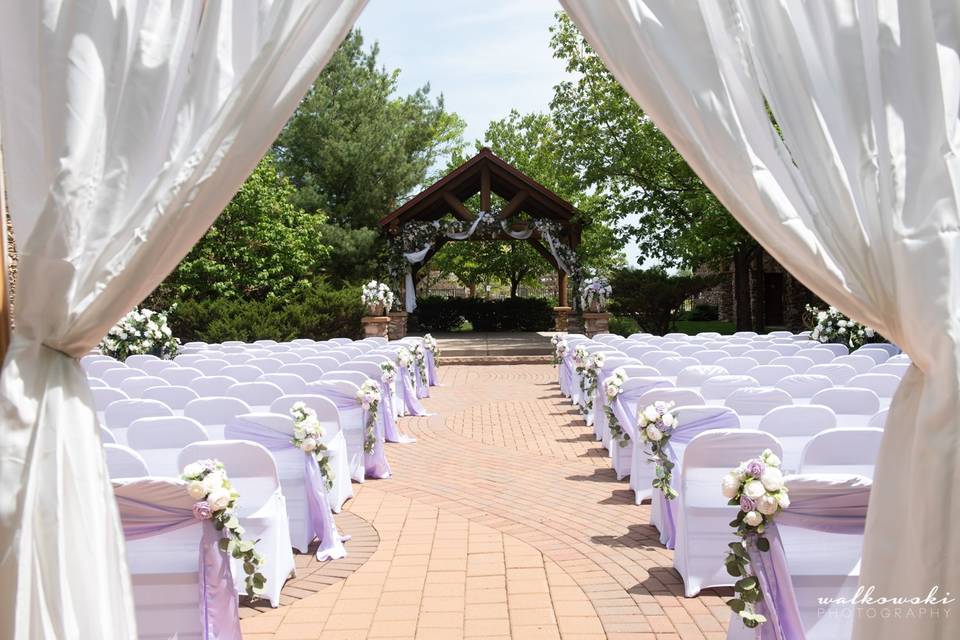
(457, 207)
(562, 288)
(513, 207)
(485, 188)
(543, 251)
(5, 319)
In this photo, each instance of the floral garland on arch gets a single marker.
(308, 436)
(614, 387)
(431, 345)
(369, 396)
(216, 500)
(142, 331)
(589, 379)
(559, 342)
(757, 488)
(833, 326)
(656, 424)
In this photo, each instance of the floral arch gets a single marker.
(438, 214)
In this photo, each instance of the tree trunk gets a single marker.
(473, 290)
(514, 286)
(741, 288)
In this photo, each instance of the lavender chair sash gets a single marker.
(319, 513)
(683, 434)
(375, 464)
(628, 398)
(433, 374)
(565, 376)
(421, 379)
(218, 598)
(822, 502)
(408, 395)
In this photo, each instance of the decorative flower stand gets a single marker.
(376, 326)
(594, 323)
(561, 319)
(398, 324)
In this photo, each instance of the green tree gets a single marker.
(354, 148)
(618, 152)
(652, 297)
(261, 247)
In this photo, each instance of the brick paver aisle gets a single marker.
(503, 520)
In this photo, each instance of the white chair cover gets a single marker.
(212, 386)
(793, 426)
(124, 462)
(160, 440)
(798, 363)
(853, 406)
(842, 450)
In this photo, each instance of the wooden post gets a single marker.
(562, 287)
(5, 319)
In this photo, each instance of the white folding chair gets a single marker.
(116, 375)
(288, 382)
(803, 386)
(138, 359)
(652, 358)
(798, 363)
(261, 507)
(134, 387)
(752, 403)
(638, 350)
(310, 372)
(266, 365)
(255, 394)
(124, 462)
(119, 414)
(702, 513)
(788, 349)
(687, 350)
(98, 368)
(878, 420)
(103, 396)
(737, 365)
(237, 357)
(673, 365)
(356, 377)
(174, 397)
(879, 356)
(763, 356)
(695, 375)
(793, 426)
(853, 406)
(838, 373)
(883, 384)
(160, 440)
(679, 397)
(834, 348)
(287, 357)
(214, 413)
(898, 369)
(860, 364)
(154, 367)
(709, 356)
(770, 374)
(638, 371)
(189, 359)
(842, 450)
(716, 389)
(212, 386)
(241, 372)
(327, 362)
(180, 376)
(210, 366)
(819, 355)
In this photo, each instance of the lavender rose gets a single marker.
(755, 468)
(747, 504)
(202, 510)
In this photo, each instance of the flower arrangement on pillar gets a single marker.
(378, 299)
(594, 295)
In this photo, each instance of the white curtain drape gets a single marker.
(127, 127)
(859, 200)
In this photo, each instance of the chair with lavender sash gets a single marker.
(175, 595)
(406, 391)
(262, 509)
(308, 510)
(701, 513)
(353, 421)
(692, 421)
(599, 417)
(624, 408)
(813, 561)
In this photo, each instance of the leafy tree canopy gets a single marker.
(652, 297)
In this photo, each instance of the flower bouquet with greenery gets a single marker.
(308, 436)
(141, 331)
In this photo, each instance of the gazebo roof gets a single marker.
(484, 173)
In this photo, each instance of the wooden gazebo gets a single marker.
(487, 174)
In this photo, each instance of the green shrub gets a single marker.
(513, 314)
(701, 313)
(436, 313)
(652, 297)
(320, 313)
(623, 326)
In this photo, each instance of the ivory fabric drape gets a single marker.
(858, 199)
(127, 127)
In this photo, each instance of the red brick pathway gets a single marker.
(503, 520)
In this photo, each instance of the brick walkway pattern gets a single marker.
(504, 521)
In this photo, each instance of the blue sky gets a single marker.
(485, 56)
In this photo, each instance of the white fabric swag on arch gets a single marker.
(859, 200)
(126, 126)
(417, 257)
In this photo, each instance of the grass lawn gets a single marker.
(692, 328)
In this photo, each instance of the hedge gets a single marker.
(435, 313)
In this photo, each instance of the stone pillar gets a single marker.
(375, 326)
(398, 324)
(561, 318)
(594, 323)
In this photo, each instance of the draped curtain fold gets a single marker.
(855, 192)
(127, 127)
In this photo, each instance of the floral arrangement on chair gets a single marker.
(430, 344)
(757, 488)
(655, 425)
(141, 331)
(559, 342)
(614, 387)
(420, 356)
(377, 296)
(216, 500)
(833, 326)
(308, 436)
(406, 359)
(594, 293)
(580, 355)
(388, 373)
(369, 397)
(588, 380)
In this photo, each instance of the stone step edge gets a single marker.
(493, 360)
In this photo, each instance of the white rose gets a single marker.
(730, 485)
(771, 458)
(654, 434)
(192, 470)
(651, 413)
(219, 499)
(767, 505)
(308, 445)
(754, 489)
(196, 490)
(772, 479)
(783, 499)
(212, 482)
(753, 518)
(668, 419)
(822, 316)
(612, 390)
